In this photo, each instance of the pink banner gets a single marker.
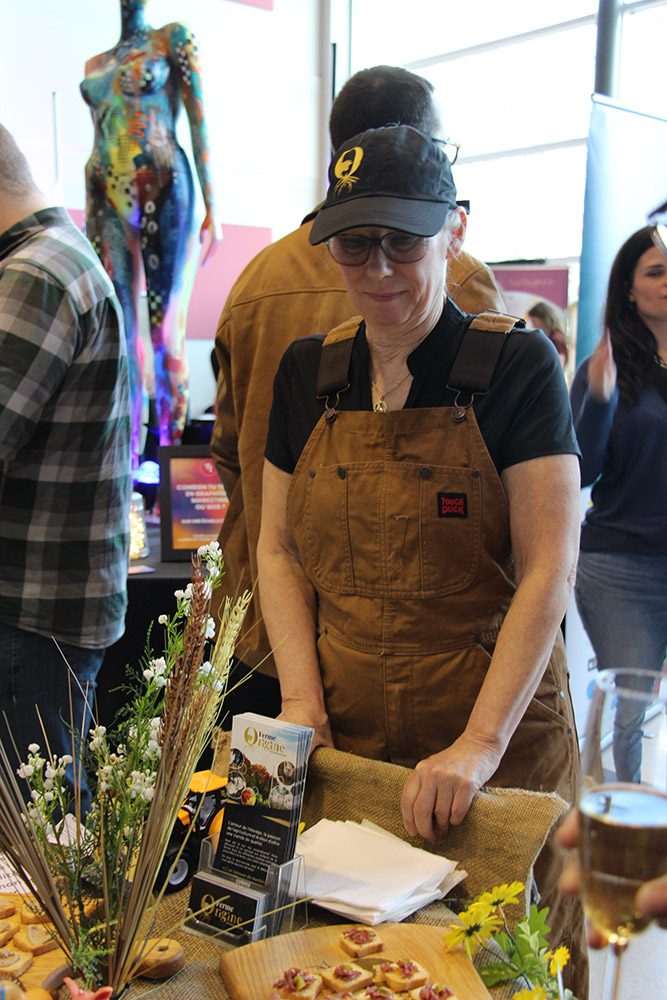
(266, 4)
(537, 282)
(213, 282)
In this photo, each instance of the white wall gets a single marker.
(262, 98)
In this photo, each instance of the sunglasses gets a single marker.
(352, 249)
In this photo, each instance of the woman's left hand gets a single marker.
(441, 788)
(211, 229)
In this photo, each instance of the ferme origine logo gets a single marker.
(216, 908)
(254, 738)
(346, 166)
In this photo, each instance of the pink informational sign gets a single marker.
(78, 217)
(213, 281)
(525, 284)
(266, 4)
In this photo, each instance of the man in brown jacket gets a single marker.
(289, 290)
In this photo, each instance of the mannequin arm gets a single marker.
(184, 55)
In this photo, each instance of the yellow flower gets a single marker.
(479, 922)
(502, 895)
(559, 959)
(537, 993)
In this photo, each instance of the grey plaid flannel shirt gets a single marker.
(64, 436)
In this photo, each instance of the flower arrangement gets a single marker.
(95, 874)
(521, 954)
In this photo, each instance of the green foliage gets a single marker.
(521, 955)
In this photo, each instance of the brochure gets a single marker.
(267, 774)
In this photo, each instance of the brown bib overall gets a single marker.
(402, 527)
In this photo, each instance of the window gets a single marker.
(514, 81)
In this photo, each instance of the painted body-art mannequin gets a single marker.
(140, 196)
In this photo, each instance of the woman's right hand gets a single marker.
(602, 371)
(302, 713)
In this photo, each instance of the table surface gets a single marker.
(201, 977)
(175, 570)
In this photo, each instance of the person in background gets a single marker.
(420, 514)
(545, 316)
(64, 465)
(289, 289)
(619, 401)
(140, 197)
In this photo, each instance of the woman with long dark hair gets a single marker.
(619, 399)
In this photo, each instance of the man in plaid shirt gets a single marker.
(64, 464)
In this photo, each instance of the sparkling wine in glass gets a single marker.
(623, 803)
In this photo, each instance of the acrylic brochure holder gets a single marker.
(238, 911)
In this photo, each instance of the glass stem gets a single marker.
(613, 970)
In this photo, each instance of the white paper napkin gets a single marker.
(9, 880)
(369, 875)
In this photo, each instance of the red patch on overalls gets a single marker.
(452, 504)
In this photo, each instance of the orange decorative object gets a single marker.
(77, 993)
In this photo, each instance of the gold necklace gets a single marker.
(380, 405)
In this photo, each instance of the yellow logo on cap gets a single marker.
(346, 165)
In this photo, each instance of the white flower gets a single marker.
(210, 628)
(179, 594)
(97, 737)
(162, 620)
(156, 671)
(50, 773)
(208, 675)
(25, 771)
(66, 759)
(212, 555)
(33, 747)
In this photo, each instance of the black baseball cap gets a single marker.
(395, 177)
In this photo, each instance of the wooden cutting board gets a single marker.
(47, 970)
(249, 972)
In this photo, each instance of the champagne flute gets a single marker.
(623, 803)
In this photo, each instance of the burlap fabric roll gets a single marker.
(497, 842)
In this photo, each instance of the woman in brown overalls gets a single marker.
(420, 512)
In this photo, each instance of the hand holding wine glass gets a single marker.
(623, 804)
(651, 898)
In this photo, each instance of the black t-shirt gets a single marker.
(525, 414)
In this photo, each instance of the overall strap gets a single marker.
(333, 372)
(479, 352)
